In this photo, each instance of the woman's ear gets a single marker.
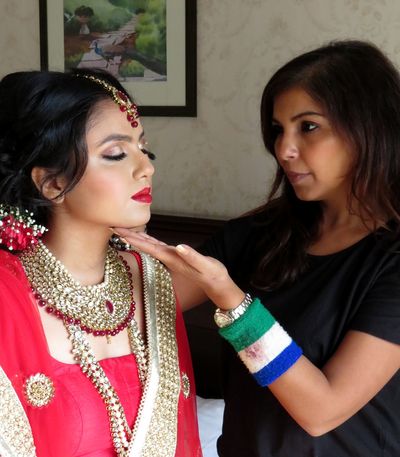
(49, 188)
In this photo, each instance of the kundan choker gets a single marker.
(103, 309)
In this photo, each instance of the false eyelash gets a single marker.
(118, 157)
(149, 154)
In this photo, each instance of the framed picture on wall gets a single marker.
(149, 45)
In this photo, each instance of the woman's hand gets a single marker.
(205, 272)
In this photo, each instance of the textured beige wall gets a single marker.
(215, 165)
(19, 35)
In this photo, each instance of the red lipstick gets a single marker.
(143, 196)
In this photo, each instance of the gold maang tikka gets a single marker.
(121, 99)
(125, 105)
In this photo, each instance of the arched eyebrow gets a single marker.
(306, 113)
(302, 114)
(118, 137)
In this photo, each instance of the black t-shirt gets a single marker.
(357, 288)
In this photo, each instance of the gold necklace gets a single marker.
(103, 309)
(83, 354)
(85, 309)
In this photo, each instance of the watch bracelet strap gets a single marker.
(235, 313)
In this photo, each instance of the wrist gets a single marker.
(225, 317)
(227, 296)
(261, 343)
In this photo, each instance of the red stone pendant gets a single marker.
(109, 306)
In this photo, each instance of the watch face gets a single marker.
(221, 319)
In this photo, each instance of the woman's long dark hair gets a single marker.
(43, 122)
(359, 88)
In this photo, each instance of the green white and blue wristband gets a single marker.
(262, 344)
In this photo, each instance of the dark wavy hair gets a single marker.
(359, 88)
(43, 122)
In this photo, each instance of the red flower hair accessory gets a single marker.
(18, 229)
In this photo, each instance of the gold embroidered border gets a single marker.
(16, 438)
(155, 432)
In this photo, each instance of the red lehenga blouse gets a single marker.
(75, 422)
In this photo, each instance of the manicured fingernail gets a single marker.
(182, 248)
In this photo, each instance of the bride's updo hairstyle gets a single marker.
(43, 122)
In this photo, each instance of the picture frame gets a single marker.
(174, 94)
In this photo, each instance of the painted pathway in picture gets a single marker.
(105, 53)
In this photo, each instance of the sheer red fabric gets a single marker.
(75, 422)
(24, 353)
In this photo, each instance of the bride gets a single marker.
(94, 358)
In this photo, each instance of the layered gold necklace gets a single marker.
(104, 309)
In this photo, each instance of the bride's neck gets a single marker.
(81, 252)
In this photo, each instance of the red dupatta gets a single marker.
(24, 352)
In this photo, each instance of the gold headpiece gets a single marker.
(122, 100)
